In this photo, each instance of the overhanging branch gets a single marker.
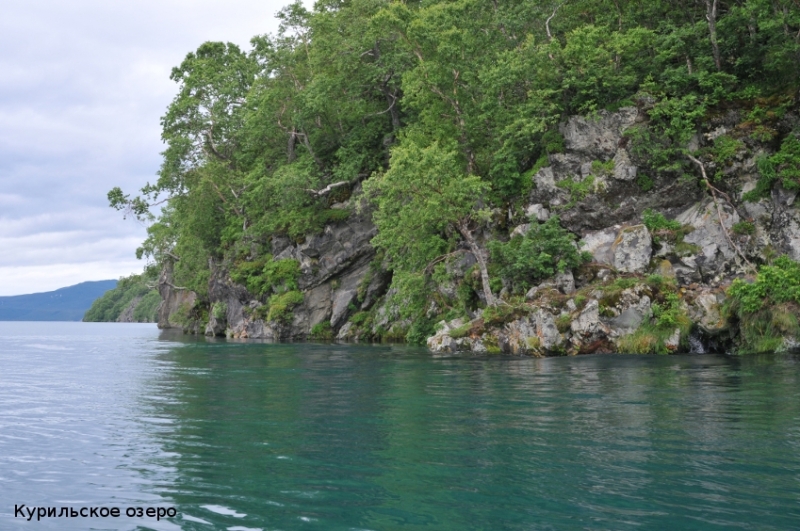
(328, 189)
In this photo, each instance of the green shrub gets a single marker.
(281, 304)
(500, 314)
(419, 331)
(667, 315)
(219, 310)
(743, 228)
(113, 302)
(563, 322)
(546, 249)
(656, 281)
(553, 141)
(332, 215)
(775, 284)
(783, 166)
(603, 168)
(724, 150)
(645, 182)
(670, 314)
(764, 330)
(621, 284)
(578, 188)
(767, 308)
(643, 341)
(266, 275)
(655, 221)
(673, 122)
(612, 292)
(282, 275)
(183, 315)
(606, 311)
(359, 318)
(322, 331)
(461, 331)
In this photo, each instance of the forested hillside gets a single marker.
(133, 300)
(432, 120)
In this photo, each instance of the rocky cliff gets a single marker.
(335, 279)
(664, 246)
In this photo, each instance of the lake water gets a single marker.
(245, 436)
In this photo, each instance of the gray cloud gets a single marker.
(83, 86)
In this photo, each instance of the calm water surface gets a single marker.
(326, 437)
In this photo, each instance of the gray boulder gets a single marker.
(624, 169)
(599, 244)
(597, 136)
(632, 249)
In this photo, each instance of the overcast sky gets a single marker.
(83, 84)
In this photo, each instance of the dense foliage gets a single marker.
(440, 110)
(542, 252)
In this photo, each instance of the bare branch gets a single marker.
(394, 100)
(328, 189)
(429, 267)
(173, 286)
(547, 22)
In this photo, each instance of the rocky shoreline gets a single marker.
(647, 288)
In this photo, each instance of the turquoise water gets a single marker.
(326, 437)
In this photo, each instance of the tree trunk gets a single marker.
(711, 16)
(290, 148)
(391, 99)
(477, 252)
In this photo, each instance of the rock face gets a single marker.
(175, 302)
(333, 267)
(598, 136)
(626, 248)
(632, 249)
(705, 310)
(715, 250)
(596, 154)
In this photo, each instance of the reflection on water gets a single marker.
(263, 436)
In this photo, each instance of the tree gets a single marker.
(201, 129)
(423, 200)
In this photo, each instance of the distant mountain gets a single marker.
(65, 304)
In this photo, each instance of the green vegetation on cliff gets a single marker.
(134, 299)
(768, 307)
(437, 113)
